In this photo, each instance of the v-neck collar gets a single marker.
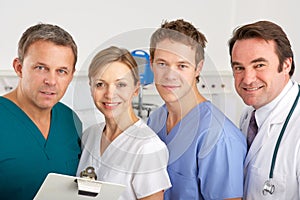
(168, 137)
(25, 120)
(115, 142)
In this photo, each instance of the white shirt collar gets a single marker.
(262, 113)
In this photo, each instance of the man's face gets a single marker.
(45, 74)
(255, 69)
(174, 70)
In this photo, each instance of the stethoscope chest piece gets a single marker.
(268, 188)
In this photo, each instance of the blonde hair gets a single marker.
(113, 54)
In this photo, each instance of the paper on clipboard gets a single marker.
(64, 187)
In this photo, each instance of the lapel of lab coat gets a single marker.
(277, 116)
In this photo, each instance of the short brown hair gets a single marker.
(183, 32)
(268, 31)
(46, 32)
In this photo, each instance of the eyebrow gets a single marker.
(184, 62)
(180, 62)
(119, 79)
(46, 65)
(261, 59)
(65, 68)
(159, 59)
(39, 63)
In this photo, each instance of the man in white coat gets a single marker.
(263, 64)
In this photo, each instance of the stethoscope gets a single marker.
(269, 187)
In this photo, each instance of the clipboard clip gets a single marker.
(89, 172)
(87, 184)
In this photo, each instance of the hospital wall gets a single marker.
(99, 24)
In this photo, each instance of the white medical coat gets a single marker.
(258, 161)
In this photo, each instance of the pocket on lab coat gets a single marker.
(256, 179)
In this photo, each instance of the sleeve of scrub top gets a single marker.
(221, 171)
(152, 176)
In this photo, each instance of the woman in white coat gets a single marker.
(262, 64)
(122, 149)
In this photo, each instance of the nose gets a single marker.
(50, 78)
(249, 76)
(110, 91)
(170, 73)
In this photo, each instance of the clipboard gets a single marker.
(64, 187)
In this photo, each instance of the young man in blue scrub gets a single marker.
(206, 149)
(38, 134)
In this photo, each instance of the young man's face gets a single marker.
(174, 70)
(255, 69)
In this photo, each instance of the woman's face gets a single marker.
(113, 89)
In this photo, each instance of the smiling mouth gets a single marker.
(250, 89)
(170, 87)
(48, 93)
(111, 104)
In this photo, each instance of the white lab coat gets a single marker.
(258, 161)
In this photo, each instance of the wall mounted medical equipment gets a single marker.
(146, 77)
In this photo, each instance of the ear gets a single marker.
(287, 65)
(91, 90)
(137, 88)
(199, 68)
(17, 65)
(151, 64)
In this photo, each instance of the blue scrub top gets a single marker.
(207, 153)
(26, 157)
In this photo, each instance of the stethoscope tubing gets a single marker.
(281, 134)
